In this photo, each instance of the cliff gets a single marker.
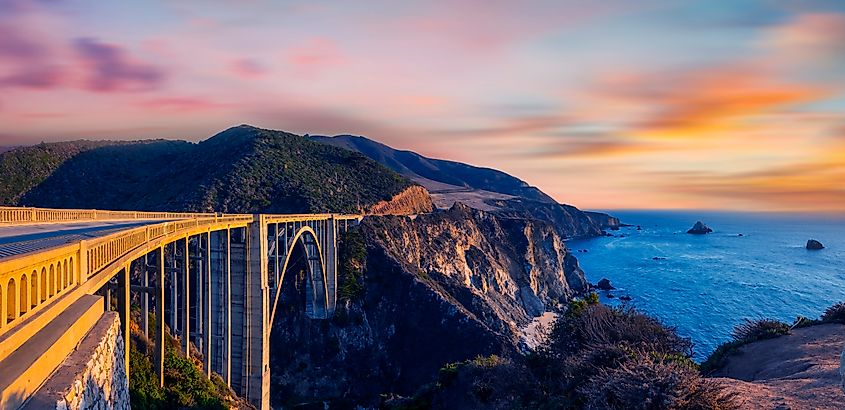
(412, 200)
(434, 289)
(796, 371)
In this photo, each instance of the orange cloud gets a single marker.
(815, 185)
(694, 103)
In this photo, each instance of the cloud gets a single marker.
(815, 184)
(247, 68)
(690, 103)
(110, 69)
(811, 37)
(180, 104)
(316, 53)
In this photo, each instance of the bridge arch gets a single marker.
(11, 301)
(33, 289)
(23, 298)
(316, 291)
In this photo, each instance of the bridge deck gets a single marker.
(20, 239)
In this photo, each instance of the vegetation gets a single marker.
(21, 169)
(353, 258)
(241, 170)
(596, 357)
(185, 384)
(834, 314)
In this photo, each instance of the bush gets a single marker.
(651, 382)
(835, 313)
(618, 358)
(753, 330)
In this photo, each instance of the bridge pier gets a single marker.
(257, 320)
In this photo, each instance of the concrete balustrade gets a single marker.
(218, 277)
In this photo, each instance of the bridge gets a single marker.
(214, 280)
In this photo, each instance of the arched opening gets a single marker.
(11, 301)
(34, 298)
(24, 295)
(291, 330)
(52, 280)
(64, 275)
(72, 272)
(43, 294)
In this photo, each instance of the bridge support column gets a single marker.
(257, 360)
(159, 336)
(330, 260)
(206, 288)
(123, 301)
(186, 299)
(145, 298)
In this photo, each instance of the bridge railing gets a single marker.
(16, 215)
(29, 282)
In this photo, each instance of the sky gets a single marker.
(663, 104)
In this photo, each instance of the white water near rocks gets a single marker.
(708, 283)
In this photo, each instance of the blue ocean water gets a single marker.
(708, 283)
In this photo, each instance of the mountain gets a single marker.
(240, 170)
(438, 175)
(481, 188)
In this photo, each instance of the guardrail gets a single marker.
(15, 215)
(30, 282)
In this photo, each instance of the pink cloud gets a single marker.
(112, 70)
(180, 104)
(248, 68)
(316, 53)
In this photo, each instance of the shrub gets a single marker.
(650, 382)
(835, 313)
(600, 325)
(753, 330)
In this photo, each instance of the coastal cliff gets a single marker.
(412, 200)
(434, 289)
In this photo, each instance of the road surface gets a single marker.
(20, 239)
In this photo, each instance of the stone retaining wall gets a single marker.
(93, 376)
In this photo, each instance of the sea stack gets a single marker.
(604, 284)
(699, 229)
(814, 245)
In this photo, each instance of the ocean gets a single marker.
(706, 284)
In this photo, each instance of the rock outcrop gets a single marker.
(699, 229)
(604, 284)
(412, 200)
(439, 288)
(814, 245)
(796, 371)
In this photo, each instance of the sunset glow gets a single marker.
(610, 104)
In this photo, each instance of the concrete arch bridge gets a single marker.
(213, 279)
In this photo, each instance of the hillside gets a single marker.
(241, 170)
(796, 371)
(481, 188)
(428, 172)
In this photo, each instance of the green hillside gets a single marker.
(241, 170)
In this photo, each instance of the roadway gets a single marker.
(20, 239)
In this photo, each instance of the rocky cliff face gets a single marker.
(412, 200)
(438, 288)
